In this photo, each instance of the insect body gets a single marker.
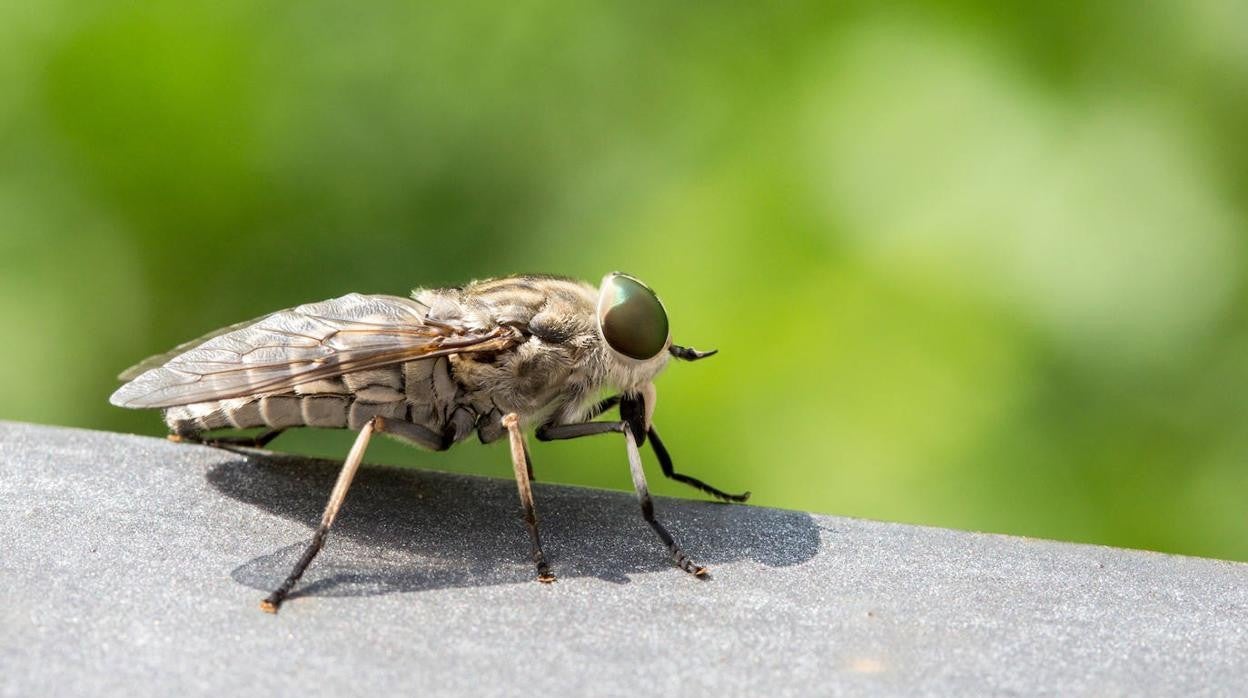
(491, 358)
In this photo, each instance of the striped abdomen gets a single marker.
(421, 392)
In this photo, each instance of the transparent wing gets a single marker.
(290, 347)
(161, 359)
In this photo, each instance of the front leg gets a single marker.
(660, 452)
(555, 432)
(562, 432)
(669, 471)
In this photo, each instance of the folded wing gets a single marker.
(307, 343)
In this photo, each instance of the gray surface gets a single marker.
(134, 566)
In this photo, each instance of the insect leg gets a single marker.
(560, 432)
(490, 426)
(647, 510)
(273, 601)
(257, 441)
(414, 433)
(665, 461)
(491, 429)
(554, 432)
(551, 432)
(523, 467)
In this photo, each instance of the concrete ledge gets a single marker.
(134, 566)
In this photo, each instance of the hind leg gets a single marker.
(404, 430)
(258, 441)
(523, 467)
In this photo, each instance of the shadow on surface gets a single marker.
(413, 530)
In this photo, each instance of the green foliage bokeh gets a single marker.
(968, 264)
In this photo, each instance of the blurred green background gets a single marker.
(972, 264)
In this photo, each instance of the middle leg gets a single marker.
(665, 458)
(556, 432)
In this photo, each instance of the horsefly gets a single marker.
(492, 358)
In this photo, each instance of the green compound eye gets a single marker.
(632, 318)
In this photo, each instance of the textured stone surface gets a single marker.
(133, 566)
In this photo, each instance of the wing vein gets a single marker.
(285, 349)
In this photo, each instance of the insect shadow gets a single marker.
(404, 530)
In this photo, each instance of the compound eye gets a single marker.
(632, 318)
